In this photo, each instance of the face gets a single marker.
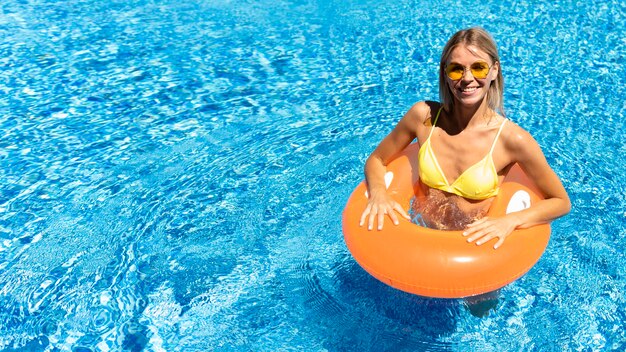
(469, 90)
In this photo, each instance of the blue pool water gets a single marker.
(173, 172)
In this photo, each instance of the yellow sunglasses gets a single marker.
(479, 69)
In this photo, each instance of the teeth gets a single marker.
(469, 89)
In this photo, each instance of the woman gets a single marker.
(466, 148)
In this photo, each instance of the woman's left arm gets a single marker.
(523, 149)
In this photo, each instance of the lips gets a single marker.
(468, 91)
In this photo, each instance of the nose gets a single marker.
(467, 74)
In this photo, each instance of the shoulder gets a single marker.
(423, 112)
(518, 141)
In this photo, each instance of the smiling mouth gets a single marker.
(469, 89)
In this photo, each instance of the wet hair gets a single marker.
(481, 39)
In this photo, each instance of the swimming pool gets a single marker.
(173, 172)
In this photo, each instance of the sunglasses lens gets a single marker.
(480, 70)
(455, 71)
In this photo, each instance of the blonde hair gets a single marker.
(480, 38)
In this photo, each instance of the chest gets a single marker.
(457, 153)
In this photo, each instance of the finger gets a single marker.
(401, 210)
(370, 222)
(478, 222)
(484, 239)
(473, 231)
(366, 212)
(393, 217)
(381, 220)
(499, 243)
(476, 235)
(476, 227)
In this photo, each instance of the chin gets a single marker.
(469, 102)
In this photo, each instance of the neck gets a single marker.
(470, 116)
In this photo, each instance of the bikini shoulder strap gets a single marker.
(497, 136)
(435, 122)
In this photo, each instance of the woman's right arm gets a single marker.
(379, 202)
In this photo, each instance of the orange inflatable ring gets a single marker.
(436, 263)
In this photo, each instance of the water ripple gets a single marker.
(173, 173)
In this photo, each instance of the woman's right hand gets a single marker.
(379, 205)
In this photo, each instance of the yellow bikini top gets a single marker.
(479, 181)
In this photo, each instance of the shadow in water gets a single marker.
(370, 315)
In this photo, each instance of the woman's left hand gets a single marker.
(486, 229)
